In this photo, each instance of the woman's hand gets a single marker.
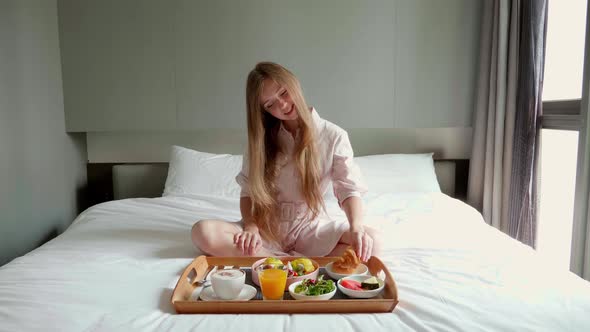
(362, 243)
(248, 242)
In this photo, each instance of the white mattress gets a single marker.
(115, 268)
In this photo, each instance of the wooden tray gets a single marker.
(185, 302)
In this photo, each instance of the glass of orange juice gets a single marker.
(272, 281)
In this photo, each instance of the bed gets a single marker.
(115, 268)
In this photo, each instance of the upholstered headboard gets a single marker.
(139, 180)
(134, 164)
(147, 180)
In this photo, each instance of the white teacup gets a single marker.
(227, 284)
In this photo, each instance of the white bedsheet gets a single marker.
(115, 268)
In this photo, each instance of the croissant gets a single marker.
(347, 263)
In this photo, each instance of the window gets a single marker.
(564, 55)
(556, 195)
(562, 90)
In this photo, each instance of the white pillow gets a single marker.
(389, 173)
(200, 173)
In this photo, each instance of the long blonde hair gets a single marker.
(263, 149)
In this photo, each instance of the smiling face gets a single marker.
(275, 99)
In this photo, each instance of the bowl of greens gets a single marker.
(313, 289)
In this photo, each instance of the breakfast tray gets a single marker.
(185, 296)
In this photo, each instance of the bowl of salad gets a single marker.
(313, 289)
(298, 269)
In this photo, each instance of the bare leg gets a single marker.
(216, 237)
(346, 240)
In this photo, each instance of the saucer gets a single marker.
(247, 293)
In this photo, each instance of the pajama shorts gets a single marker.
(302, 237)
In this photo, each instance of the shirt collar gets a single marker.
(315, 119)
(315, 116)
(284, 130)
(318, 122)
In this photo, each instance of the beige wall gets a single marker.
(153, 65)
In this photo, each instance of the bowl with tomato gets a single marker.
(362, 287)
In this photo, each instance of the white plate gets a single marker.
(361, 270)
(247, 293)
(364, 294)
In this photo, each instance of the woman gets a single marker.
(293, 155)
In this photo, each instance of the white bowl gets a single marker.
(361, 270)
(309, 297)
(364, 294)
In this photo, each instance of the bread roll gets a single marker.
(347, 263)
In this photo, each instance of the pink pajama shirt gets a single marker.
(298, 235)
